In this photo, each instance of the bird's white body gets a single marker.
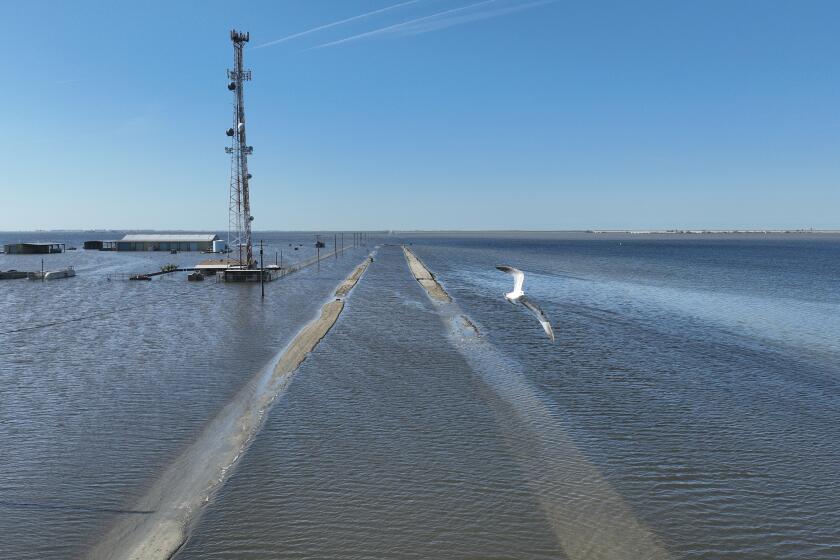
(518, 296)
(518, 284)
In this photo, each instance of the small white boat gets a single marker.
(65, 273)
(53, 274)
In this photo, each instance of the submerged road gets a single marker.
(668, 421)
(410, 436)
(423, 384)
(178, 496)
(589, 518)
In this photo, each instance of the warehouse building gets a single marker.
(167, 242)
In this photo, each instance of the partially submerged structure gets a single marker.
(212, 266)
(229, 270)
(97, 245)
(33, 248)
(167, 242)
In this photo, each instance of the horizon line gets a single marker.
(450, 230)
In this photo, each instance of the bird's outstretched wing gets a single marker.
(518, 276)
(538, 313)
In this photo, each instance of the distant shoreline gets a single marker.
(464, 231)
(637, 231)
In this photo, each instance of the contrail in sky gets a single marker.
(335, 23)
(401, 25)
(441, 23)
(439, 20)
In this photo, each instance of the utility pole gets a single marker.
(262, 271)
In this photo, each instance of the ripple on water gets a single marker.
(382, 447)
(92, 411)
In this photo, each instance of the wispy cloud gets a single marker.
(398, 26)
(456, 16)
(442, 23)
(336, 23)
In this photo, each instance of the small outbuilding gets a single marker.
(33, 248)
(213, 266)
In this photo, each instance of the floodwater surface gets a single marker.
(105, 382)
(688, 408)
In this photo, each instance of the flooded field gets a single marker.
(687, 409)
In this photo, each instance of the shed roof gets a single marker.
(213, 264)
(169, 237)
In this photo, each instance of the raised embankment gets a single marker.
(425, 277)
(589, 517)
(176, 498)
(345, 287)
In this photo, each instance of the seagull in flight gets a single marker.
(518, 296)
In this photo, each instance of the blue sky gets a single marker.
(432, 114)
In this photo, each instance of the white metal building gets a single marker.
(167, 242)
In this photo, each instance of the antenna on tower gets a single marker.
(239, 213)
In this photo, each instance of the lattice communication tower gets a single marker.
(240, 218)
